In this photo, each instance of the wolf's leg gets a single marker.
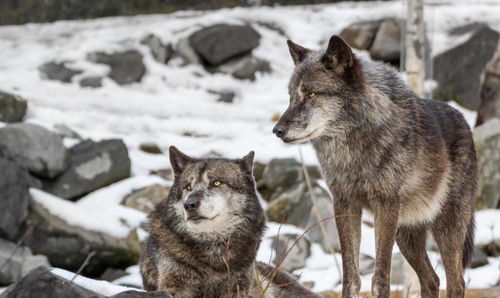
(411, 242)
(348, 220)
(449, 235)
(386, 221)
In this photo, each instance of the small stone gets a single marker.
(58, 72)
(151, 148)
(146, 199)
(12, 108)
(91, 82)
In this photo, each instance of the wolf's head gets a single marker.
(325, 93)
(213, 197)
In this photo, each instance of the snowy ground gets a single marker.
(173, 100)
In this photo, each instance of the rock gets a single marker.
(487, 142)
(67, 245)
(224, 96)
(489, 100)
(297, 254)
(360, 35)
(12, 108)
(397, 269)
(244, 68)
(92, 82)
(112, 274)
(31, 262)
(11, 264)
(42, 283)
(14, 198)
(58, 72)
(146, 199)
(458, 70)
(139, 294)
(258, 170)
(150, 148)
(92, 166)
(126, 67)
(39, 150)
(479, 258)
(66, 132)
(218, 43)
(166, 174)
(366, 264)
(186, 52)
(161, 52)
(295, 206)
(387, 43)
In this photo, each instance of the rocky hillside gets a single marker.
(88, 108)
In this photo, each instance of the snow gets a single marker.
(173, 101)
(99, 286)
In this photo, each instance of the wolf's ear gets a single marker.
(178, 160)
(247, 162)
(338, 55)
(298, 53)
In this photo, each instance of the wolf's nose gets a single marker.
(191, 204)
(279, 130)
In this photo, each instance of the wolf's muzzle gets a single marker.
(191, 205)
(280, 130)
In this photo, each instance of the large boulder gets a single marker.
(489, 103)
(39, 150)
(67, 245)
(126, 67)
(92, 166)
(58, 71)
(218, 43)
(161, 52)
(291, 251)
(296, 206)
(12, 108)
(14, 198)
(361, 35)
(146, 198)
(487, 142)
(458, 70)
(387, 43)
(42, 283)
(244, 68)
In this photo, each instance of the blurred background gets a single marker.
(92, 93)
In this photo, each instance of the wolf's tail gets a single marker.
(469, 243)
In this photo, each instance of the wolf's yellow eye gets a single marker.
(189, 187)
(311, 94)
(217, 183)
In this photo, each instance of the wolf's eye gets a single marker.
(311, 94)
(188, 187)
(217, 183)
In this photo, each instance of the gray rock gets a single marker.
(224, 96)
(295, 206)
(67, 245)
(138, 294)
(92, 166)
(33, 261)
(42, 283)
(112, 274)
(91, 82)
(34, 147)
(66, 132)
(58, 72)
(397, 269)
(288, 256)
(14, 198)
(458, 70)
(219, 43)
(487, 142)
(186, 52)
(479, 258)
(126, 67)
(361, 35)
(161, 52)
(151, 148)
(387, 43)
(12, 108)
(489, 100)
(366, 264)
(146, 198)
(244, 68)
(11, 262)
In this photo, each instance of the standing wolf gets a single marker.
(205, 235)
(410, 161)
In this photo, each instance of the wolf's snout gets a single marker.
(279, 130)
(191, 205)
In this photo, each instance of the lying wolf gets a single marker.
(204, 237)
(410, 161)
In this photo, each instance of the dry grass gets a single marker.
(470, 293)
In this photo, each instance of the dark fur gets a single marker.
(194, 265)
(408, 160)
